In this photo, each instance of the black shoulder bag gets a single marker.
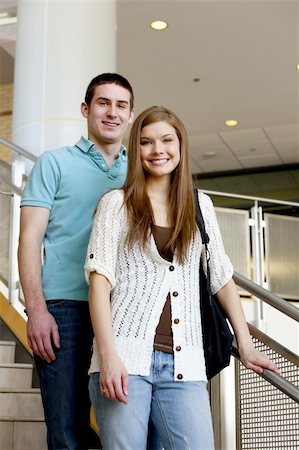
(217, 337)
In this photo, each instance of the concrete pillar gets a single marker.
(60, 47)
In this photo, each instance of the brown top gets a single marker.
(163, 339)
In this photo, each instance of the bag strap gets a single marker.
(204, 235)
(199, 220)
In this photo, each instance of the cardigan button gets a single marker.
(91, 255)
(178, 348)
(171, 268)
(175, 294)
(179, 376)
(176, 321)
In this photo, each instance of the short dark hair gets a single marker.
(108, 78)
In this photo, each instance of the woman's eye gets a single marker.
(144, 142)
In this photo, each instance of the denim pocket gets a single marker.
(55, 303)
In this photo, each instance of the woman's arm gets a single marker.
(251, 358)
(114, 376)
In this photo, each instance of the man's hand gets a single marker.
(43, 335)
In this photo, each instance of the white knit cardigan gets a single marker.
(141, 279)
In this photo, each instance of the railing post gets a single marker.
(18, 170)
(258, 260)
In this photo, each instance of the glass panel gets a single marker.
(282, 250)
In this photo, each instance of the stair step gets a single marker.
(21, 403)
(16, 376)
(7, 352)
(23, 433)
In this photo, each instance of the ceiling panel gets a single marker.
(221, 163)
(259, 160)
(248, 148)
(286, 145)
(290, 158)
(236, 138)
(194, 166)
(280, 131)
(198, 151)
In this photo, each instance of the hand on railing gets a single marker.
(271, 376)
(255, 360)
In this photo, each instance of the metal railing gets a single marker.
(251, 198)
(267, 296)
(267, 405)
(19, 150)
(12, 187)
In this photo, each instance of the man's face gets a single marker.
(108, 114)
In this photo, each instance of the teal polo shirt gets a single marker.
(69, 182)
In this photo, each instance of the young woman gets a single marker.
(143, 270)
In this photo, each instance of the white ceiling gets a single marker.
(244, 53)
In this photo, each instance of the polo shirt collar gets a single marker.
(86, 145)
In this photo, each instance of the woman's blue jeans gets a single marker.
(64, 382)
(180, 411)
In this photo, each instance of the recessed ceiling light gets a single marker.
(231, 123)
(209, 154)
(159, 25)
(297, 66)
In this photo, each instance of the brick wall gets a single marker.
(6, 92)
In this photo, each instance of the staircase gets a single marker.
(22, 425)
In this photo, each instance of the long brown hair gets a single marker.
(181, 200)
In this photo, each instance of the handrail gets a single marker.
(247, 197)
(5, 164)
(276, 346)
(18, 149)
(267, 296)
(15, 189)
(274, 378)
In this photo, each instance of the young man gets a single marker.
(57, 208)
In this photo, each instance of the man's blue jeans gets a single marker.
(64, 382)
(180, 411)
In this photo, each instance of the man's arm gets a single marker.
(42, 330)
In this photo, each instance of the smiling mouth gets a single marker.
(159, 162)
(110, 124)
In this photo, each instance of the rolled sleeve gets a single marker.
(221, 268)
(105, 237)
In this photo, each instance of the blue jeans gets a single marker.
(64, 382)
(180, 411)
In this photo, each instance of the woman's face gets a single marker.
(159, 149)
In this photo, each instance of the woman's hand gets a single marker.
(255, 360)
(229, 299)
(114, 378)
(113, 374)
